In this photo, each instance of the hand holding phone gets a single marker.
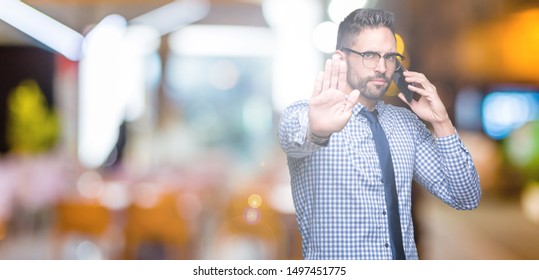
(401, 83)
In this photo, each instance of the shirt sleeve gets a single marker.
(445, 168)
(293, 129)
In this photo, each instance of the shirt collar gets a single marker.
(380, 107)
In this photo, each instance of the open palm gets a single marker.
(330, 107)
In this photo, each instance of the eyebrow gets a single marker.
(389, 53)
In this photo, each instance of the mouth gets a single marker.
(378, 82)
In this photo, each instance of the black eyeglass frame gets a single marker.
(362, 54)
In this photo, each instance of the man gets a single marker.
(344, 199)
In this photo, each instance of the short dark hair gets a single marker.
(360, 19)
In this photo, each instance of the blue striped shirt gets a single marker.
(337, 189)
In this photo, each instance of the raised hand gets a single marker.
(429, 107)
(330, 107)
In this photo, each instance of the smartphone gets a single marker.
(401, 83)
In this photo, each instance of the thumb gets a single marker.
(353, 98)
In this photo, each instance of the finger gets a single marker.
(419, 90)
(327, 74)
(352, 99)
(318, 83)
(409, 73)
(419, 80)
(342, 75)
(336, 62)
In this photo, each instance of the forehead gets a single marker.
(376, 39)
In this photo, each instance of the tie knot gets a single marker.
(372, 117)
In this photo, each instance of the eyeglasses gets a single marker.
(371, 59)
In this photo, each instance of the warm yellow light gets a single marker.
(507, 50)
(530, 201)
(519, 45)
(3, 231)
(401, 48)
(254, 201)
(400, 43)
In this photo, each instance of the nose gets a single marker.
(381, 66)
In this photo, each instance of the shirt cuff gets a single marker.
(450, 144)
(305, 137)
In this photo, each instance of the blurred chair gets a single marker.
(250, 229)
(81, 220)
(157, 231)
(3, 230)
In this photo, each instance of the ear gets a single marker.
(340, 53)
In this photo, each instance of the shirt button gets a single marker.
(384, 212)
(386, 245)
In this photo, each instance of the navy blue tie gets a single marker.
(390, 189)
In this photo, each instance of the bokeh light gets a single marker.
(522, 147)
(505, 111)
(87, 250)
(145, 194)
(90, 184)
(115, 195)
(325, 36)
(530, 201)
(254, 201)
(339, 9)
(251, 215)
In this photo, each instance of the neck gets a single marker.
(369, 103)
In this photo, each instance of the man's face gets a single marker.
(371, 82)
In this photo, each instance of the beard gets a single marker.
(371, 92)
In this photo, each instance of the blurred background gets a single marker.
(147, 129)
